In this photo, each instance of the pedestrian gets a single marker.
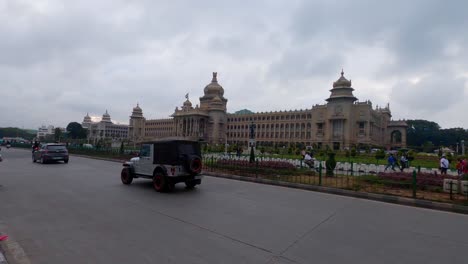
(444, 165)
(391, 162)
(465, 167)
(309, 160)
(404, 162)
(303, 153)
(460, 166)
(239, 152)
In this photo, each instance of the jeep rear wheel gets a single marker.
(159, 182)
(126, 176)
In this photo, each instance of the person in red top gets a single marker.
(460, 166)
(465, 166)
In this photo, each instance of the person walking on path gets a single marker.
(460, 166)
(444, 165)
(403, 162)
(391, 162)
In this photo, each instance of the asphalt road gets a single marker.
(81, 213)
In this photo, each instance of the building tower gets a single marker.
(106, 118)
(339, 114)
(136, 130)
(214, 103)
(86, 121)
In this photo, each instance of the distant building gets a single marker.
(105, 128)
(44, 131)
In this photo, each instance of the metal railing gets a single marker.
(411, 183)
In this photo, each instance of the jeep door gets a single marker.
(145, 164)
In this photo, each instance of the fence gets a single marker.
(414, 183)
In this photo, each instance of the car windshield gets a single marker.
(56, 147)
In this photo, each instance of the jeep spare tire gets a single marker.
(194, 164)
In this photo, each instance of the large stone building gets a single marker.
(342, 122)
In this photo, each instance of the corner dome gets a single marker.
(87, 118)
(137, 108)
(106, 117)
(187, 103)
(342, 81)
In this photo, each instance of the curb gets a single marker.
(11, 252)
(2, 258)
(455, 208)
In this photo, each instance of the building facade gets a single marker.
(105, 128)
(342, 122)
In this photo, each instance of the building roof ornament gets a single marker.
(342, 89)
(342, 81)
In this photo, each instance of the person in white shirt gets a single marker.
(309, 160)
(403, 162)
(444, 165)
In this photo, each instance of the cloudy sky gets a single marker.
(61, 59)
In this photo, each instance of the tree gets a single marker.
(353, 152)
(76, 131)
(57, 134)
(330, 164)
(380, 154)
(121, 151)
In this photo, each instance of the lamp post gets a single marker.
(463, 147)
(252, 142)
(225, 145)
(457, 148)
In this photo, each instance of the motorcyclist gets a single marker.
(35, 146)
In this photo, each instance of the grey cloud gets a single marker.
(87, 56)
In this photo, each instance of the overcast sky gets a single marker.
(61, 59)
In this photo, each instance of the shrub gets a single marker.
(330, 164)
(423, 180)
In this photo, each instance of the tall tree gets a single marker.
(76, 131)
(58, 134)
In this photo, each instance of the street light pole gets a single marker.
(225, 145)
(252, 142)
(463, 147)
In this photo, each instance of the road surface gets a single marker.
(81, 213)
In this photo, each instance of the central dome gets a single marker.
(214, 88)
